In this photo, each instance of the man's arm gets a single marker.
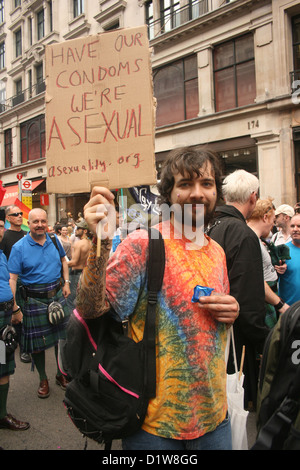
(91, 300)
(65, 270)
(75, 255)
(17, 316)
(273, 299)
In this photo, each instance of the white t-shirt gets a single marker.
(270, 273)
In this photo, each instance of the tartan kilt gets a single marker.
(38, 333)
(9, 367)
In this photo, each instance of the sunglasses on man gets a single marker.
(15, 214)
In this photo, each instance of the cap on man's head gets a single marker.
(285, 209)
(82, 224)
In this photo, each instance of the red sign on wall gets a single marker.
(44, 199)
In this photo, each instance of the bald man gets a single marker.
(40, 264)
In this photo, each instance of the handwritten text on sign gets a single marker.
(99, 112)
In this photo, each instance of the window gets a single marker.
(33, 139)
(40, 84)
(112, 26)
(40, 24)
(8, 148)
(296, 138)
(18, 42)
(169, 14)
(296, 45)
(197, 8)
(176, 91)
(78, 7)
(2, 55)
(297, 163)
(234, 73)
(39, 73)
(1, 11)
(30, 31)
(2, 96)
(50, 15)
(150, 19)
(18, 86)
(29, 83)
(19, 95)
(17, 3)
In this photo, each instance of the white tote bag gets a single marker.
(235, 397)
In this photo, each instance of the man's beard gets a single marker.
(193, 218)
(296, 241)
(209, 215)
(38, 236)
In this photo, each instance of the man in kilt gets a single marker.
(9, 313)
(41, 264)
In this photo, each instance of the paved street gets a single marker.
(51, 428)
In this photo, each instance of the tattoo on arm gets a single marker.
(90, 299)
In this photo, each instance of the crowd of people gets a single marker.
(250, 256)
(36, 272)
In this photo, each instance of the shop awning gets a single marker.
(12, 192)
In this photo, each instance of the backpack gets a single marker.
(278, 407)
(112, 376)
(54, 241)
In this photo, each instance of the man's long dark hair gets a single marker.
(187, 160)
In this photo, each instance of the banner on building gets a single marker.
(100, 112)
(44, 199)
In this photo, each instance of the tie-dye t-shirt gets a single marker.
(191, 375)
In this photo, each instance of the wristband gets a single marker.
(279, 305)
(67, 280)
(14, 312)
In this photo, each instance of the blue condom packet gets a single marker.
(201, 291)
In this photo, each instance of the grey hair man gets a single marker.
(245, 271)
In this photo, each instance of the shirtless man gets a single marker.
(80, 251)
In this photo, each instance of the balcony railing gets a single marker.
(23, 96)
(175, 16)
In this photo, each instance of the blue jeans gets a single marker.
(219, 439)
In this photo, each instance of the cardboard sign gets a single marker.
(100, 113)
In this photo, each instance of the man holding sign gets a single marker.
(100, 112)
(190, 407)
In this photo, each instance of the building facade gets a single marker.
(226, 76)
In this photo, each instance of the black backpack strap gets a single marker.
(53, 239)
(156, 267)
